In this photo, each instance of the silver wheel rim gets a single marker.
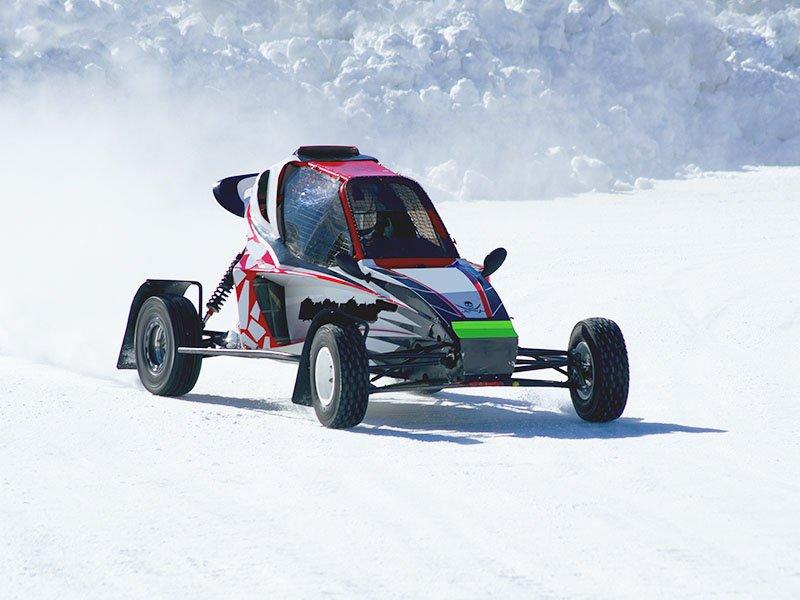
(324, 376)
(156, 346)
(583, 371)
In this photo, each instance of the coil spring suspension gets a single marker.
(220, 295)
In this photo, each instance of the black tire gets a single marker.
(598, 369)
(164, 324)
(340, 351)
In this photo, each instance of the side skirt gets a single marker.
(241, 353)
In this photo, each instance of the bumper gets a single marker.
(487, 347)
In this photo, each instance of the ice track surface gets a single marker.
(232, 491)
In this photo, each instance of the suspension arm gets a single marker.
(536, 359)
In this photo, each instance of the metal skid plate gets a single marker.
(488, 347)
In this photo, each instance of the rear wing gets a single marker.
(230, 192)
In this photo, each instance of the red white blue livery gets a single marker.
(348, 270)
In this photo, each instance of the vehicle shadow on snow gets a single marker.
(244, 403)
(465, 419)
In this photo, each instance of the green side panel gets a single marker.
(471, 330)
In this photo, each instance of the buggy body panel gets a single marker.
(409, 301)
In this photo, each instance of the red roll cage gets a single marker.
(345, 171)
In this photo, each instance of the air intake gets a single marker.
(332, 153)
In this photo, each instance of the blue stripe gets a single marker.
(431, 297)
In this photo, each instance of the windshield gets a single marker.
(395, 219)
(311, 214)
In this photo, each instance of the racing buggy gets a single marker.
(349, 271)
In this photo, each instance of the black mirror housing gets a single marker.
(493, 261)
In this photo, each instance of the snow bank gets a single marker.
(479, 99)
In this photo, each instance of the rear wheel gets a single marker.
(598, 370)
(339, 376)
(164, 324)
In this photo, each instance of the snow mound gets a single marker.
(478, 99)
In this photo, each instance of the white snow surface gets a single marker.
(117, 117)
(232, 491)
(479, 99)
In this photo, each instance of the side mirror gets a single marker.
(493, 261)
(349, 265)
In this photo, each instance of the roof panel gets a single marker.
(355, 168)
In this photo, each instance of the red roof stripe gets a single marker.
(352, 168)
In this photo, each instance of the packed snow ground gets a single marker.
(233, 491)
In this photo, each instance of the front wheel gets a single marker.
(598, 370)
(339, 376)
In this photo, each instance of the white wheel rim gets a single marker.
(324, 376)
